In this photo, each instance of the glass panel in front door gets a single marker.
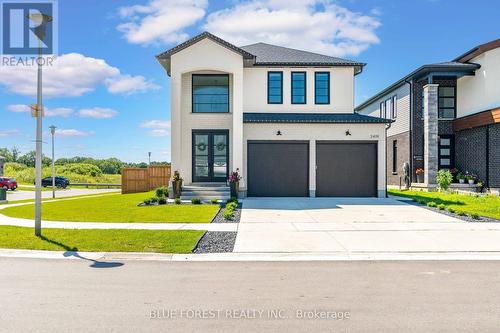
(220, 156)
(201, 148)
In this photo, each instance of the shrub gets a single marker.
(451, 210)
(232, 205)
(147, 202)
(475, 216)
(431, 204)
(214, 201)
(154, 200)
(162, 192)
(196, 201)
(460, 213)
(444, 179)
(441, 207)
(233, 199)
(162, 201)
(177, 201)
(228, 214)
(421, 201)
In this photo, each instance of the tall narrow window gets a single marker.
(210, 93)
(394, 111)
(388, 108)
(382, 110)
(275, 87)
(322, 87)
(395, 156)
(298, 87)
(446, 151)
(446, 102)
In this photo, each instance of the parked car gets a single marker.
(8, 183)
(61, 182)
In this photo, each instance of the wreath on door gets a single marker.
(220, 146)
(201, 146)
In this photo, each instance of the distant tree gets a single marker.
(29, 159)
(15, 153)
(7, 154)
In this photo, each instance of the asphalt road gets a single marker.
(79, 295)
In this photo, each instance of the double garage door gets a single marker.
(281, 169)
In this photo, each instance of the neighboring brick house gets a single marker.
(446, 115)
(284, 117)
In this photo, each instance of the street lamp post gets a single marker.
(53, 132)
(41, 21)
(149, 157)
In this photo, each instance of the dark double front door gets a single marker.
(210, 155)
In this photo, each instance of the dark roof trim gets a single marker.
(478, 50)
(196, 39)
(358, 67)
(467, 69)
(321, 118)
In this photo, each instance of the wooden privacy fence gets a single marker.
(142, 180)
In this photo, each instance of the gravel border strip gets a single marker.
(466, 218)
(219, 218)
(216, 242)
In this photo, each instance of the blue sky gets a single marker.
(110, 97)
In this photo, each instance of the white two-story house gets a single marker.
(283, 117)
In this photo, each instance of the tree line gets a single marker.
(110, 166)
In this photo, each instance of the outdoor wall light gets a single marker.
(278, 133)
(347, 133)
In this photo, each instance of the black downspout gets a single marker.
(487, 184)
(410, 83)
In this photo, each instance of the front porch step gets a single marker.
(191, 188)
(206, 191)
(206, 198)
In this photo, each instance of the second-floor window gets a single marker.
(322, 88)
(275, 87)
(394, 104)
(298, 87)
(210, 93)
(446, 102)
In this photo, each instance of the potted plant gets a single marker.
(176, 184)
(420, 175)
(461, 178)
(471, 178)
(480, 187)
(234, 183)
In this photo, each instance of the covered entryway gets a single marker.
(278, 168)
(346, 169)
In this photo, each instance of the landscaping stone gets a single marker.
(466, 217)
(216, 242)
(219, 218)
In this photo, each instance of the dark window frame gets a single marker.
(394, 106)
(268, 87)
(383, 111)
(394, 157)
(292, 87)
(451, 137)
(454, 108)
(210, 155)
(192, 94)
(316, 91)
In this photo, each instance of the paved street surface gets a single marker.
(70, 192)
(83, 295)
(356, 225)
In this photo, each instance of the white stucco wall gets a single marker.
(318, 132)
(341, 90)
(205, 56)
(482, 91)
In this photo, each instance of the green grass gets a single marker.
(49, 199)
(94, 240)
(115, 208)
(484, 206)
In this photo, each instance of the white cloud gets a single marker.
(157, 127)
(58, 112)
(98, 113)
(71, 75)
(18, 108)
(160, 20)
(127, 84)
(9, 132)
(316, 25)
(72, 133)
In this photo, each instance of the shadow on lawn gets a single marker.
(72, 252)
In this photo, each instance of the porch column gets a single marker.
(237, 137)
(430, 134)
(175, 119)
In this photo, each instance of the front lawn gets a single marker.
(95, 240)
(488, 206)
(116, 208)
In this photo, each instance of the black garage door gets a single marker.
(346, 169)
(278, 169)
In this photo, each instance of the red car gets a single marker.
(8, 183)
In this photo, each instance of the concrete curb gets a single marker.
(210, 257)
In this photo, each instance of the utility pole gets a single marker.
(53, 132)
(42, 20)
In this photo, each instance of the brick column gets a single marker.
(430, 134)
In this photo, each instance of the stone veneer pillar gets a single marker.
(430, 134)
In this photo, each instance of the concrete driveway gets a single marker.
(356, 225)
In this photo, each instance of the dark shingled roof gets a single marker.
(278, 55)
(310, 118)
